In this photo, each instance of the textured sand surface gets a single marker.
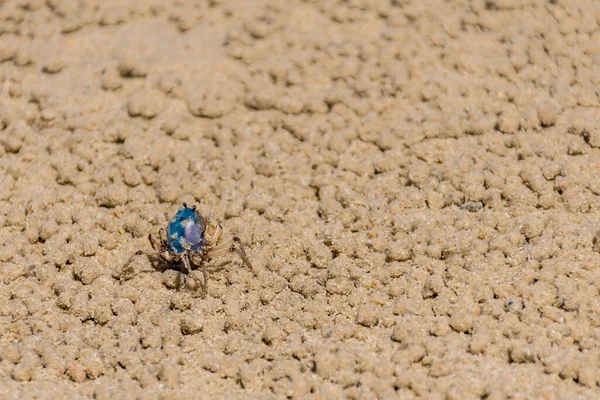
(416, 182)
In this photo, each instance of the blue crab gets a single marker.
(192, 240)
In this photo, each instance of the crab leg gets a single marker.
(232, 245)
(205, 274)
(221, 249)
(139, 253)
(216, 235)
(186, 263)
(162, 234)
(198, 261)
(188, 260)
(239, 249)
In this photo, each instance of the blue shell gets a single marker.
(186, 231)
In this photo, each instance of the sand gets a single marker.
(416, 184)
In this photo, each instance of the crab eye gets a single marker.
(194, 207)
(184, 205)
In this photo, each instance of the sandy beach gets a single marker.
(416, 184)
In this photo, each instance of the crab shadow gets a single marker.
(162, 265)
